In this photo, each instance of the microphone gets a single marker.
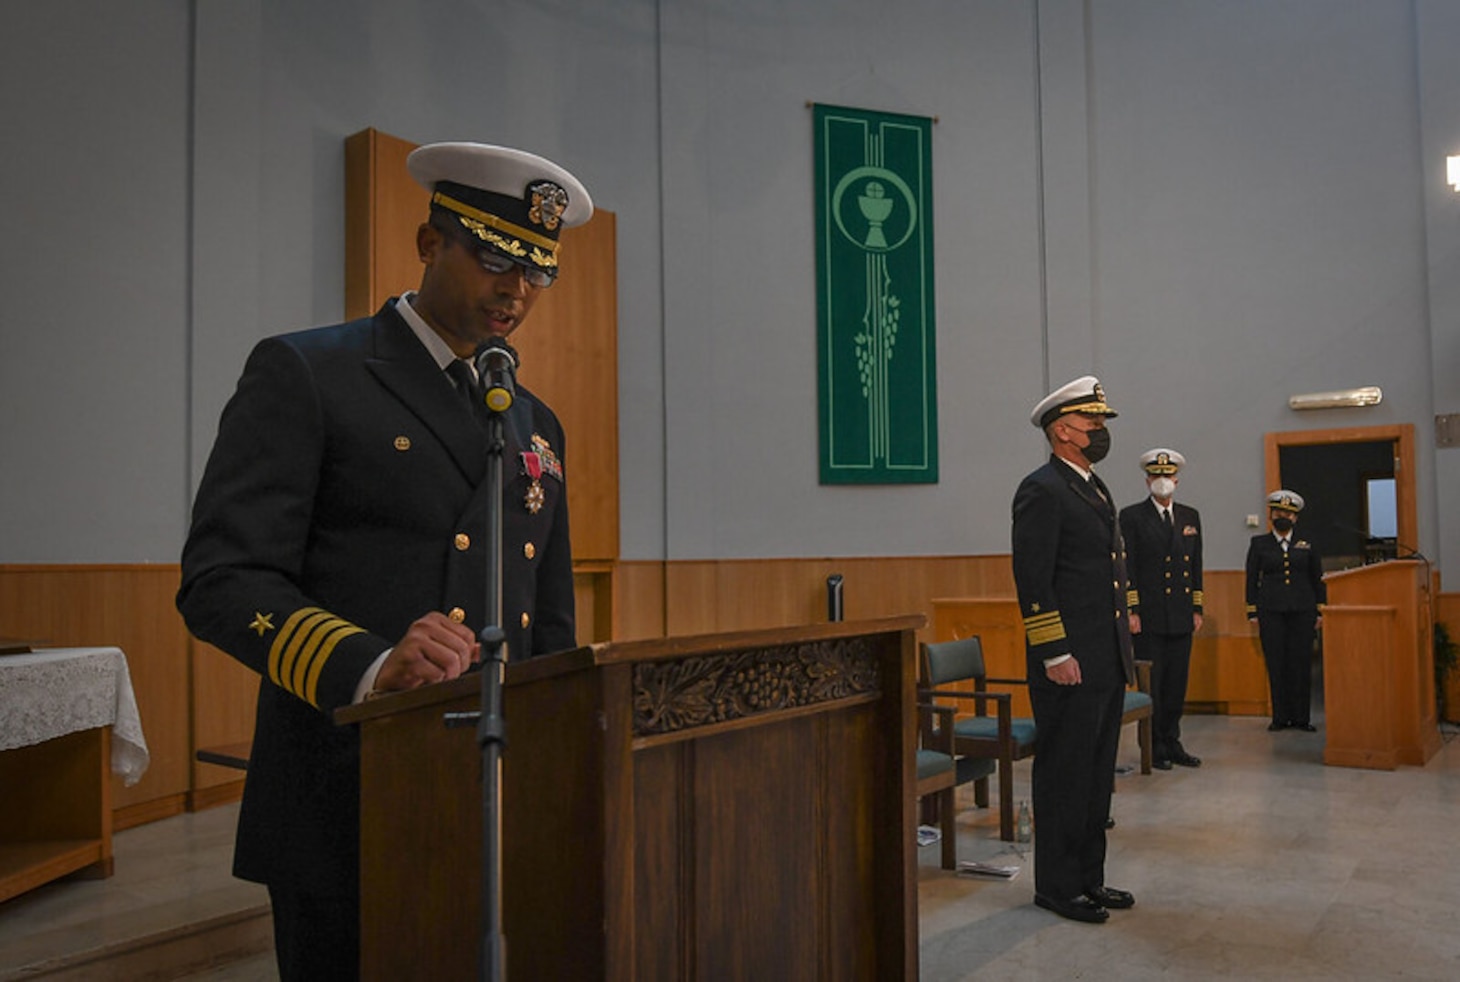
(496, 365)
(1401, 549)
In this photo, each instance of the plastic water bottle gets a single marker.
(1023, 824)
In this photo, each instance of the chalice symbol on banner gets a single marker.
(875, 207)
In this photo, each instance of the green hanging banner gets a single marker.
(876, 360)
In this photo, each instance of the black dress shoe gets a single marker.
(1274, 726)
(1110, 822)
(1081, 908)
(1185, 759)
(1111, 898)
(1161, 764)
(1305, 727)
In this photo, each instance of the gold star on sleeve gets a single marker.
(261, 623)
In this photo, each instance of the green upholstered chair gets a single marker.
(1137, 710)
(940, 772)
(990, 733)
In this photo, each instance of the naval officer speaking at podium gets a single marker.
(339, 533)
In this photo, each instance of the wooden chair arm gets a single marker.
(1143, 676)
(1001, 700)
(1007, 681)
(1000, 697)
(937, 727)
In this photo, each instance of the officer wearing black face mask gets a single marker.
(1069, 570)
(1285, 595)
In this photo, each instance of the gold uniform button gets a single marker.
(529, 550)
(463, 542)
(456, 614)
(403, 443)
(526, 620)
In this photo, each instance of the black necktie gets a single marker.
(471, 391)
(1166, 517)
(465, 381)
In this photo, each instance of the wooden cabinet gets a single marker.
(57, 817)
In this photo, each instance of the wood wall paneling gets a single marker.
(1228, 674)
(192, 695)
(697, 596)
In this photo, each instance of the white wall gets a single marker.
(1212, 204)
(93, 281)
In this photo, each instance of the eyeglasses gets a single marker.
(498, 264)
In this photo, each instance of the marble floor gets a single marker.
(1261, 864)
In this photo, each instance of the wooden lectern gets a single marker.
(735, 806)
(1378, 666)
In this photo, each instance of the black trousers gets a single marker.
(1287, 647)
(316, 937)
(1074, 775)
(1170, 658)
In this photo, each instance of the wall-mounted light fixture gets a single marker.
(1368, 395)
(1452, 172)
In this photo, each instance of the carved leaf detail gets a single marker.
(689, 692)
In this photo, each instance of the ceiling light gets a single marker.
(1368, 395)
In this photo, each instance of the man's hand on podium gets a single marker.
(434, 649)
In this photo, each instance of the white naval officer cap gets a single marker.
(1285, 500)
(510, 201)
(1083, 395)
(1162, 460)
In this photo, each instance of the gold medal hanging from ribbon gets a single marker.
(535, 497)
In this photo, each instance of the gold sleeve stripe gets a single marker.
(1044, 628)
(1132, 598)
(1196, 598)
(302, 647)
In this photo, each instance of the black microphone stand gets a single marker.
(491, 725)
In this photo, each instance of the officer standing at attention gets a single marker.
(1285, 595)
(339, 533)
(1069, 570)
(1163, 556)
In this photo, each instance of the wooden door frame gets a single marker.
(1400, 434)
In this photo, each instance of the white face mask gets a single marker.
(1163, 487)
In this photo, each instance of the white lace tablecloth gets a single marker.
(48, 693)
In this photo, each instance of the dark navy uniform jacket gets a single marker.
(1069, 569)
(1283, 582)
(1164, 565)
(341, 502)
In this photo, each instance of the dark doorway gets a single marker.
(1350, 513)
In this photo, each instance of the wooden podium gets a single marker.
(736, 806)
(1378, 666)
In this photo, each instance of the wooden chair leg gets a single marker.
(1143, 736)
(948, 822)
(1006, 799)
(928, 810)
